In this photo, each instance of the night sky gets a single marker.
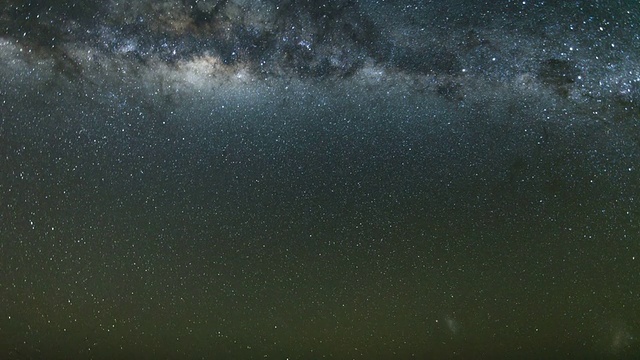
(251, 179)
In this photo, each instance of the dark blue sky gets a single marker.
(282, 179)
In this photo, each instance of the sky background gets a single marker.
(373, 180)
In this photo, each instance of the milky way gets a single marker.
(288, 179)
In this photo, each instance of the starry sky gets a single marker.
(251, 179)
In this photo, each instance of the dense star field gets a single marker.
(292, 179)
